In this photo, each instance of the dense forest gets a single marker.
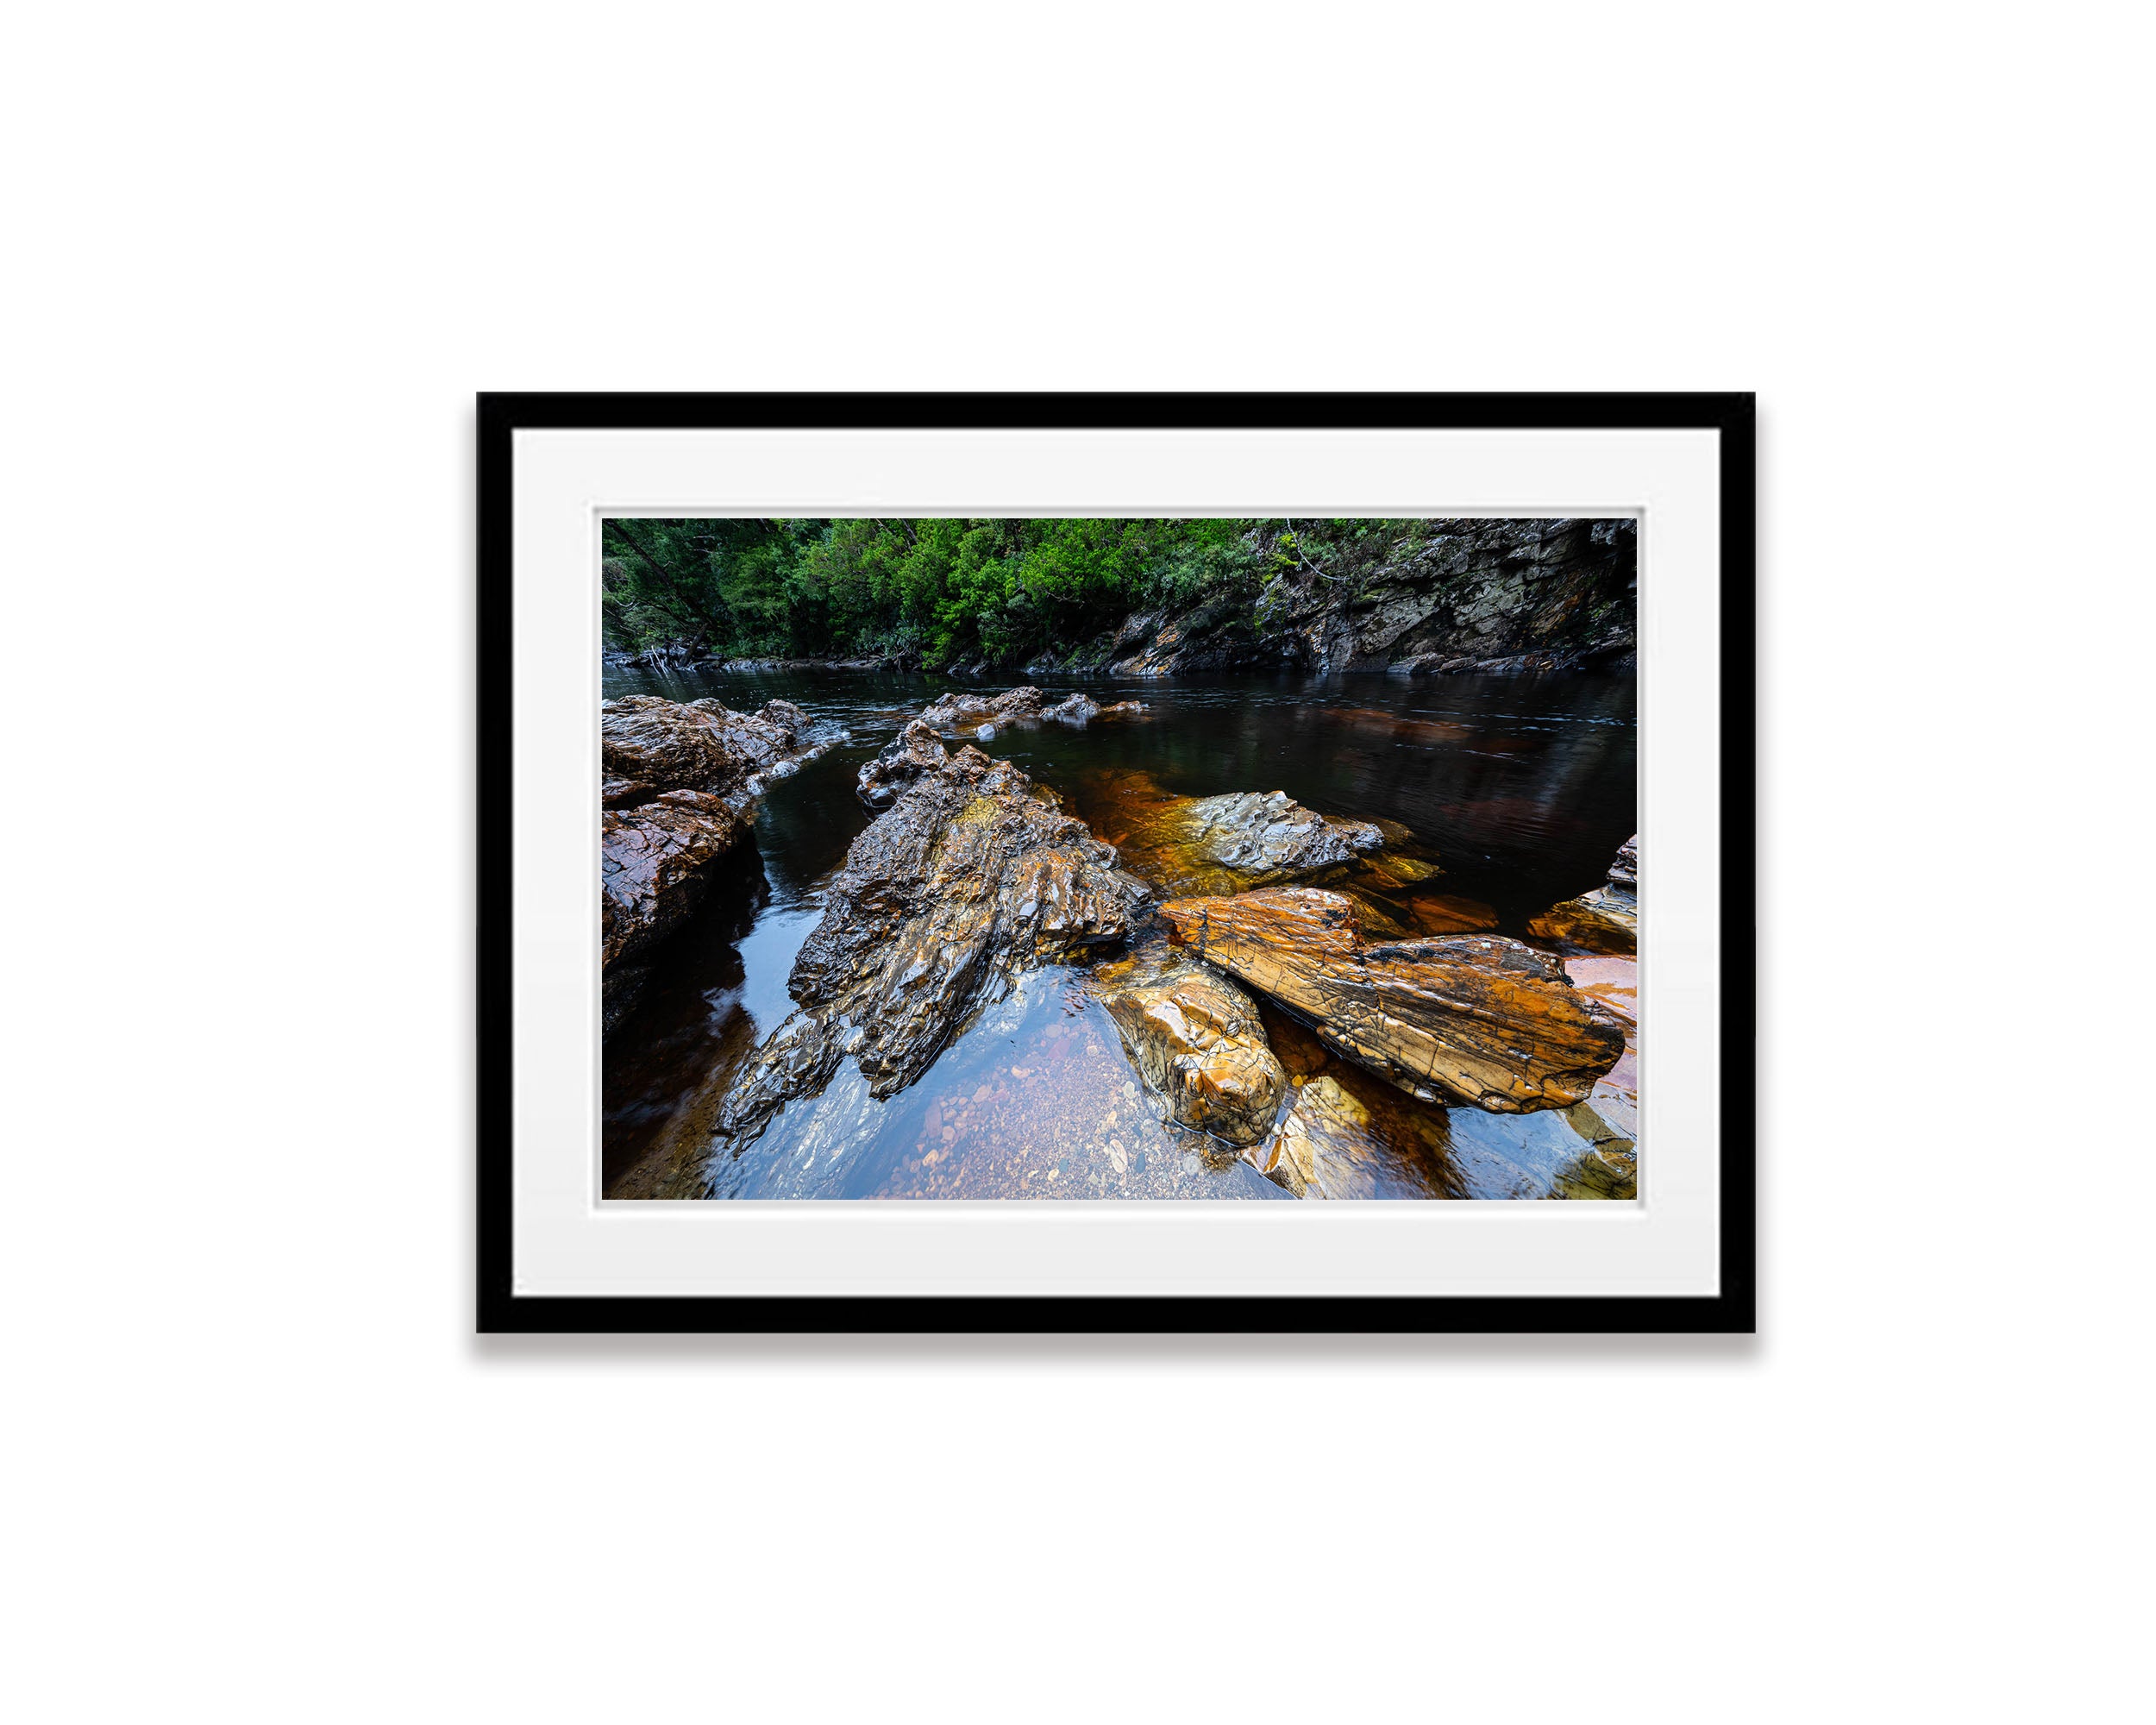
(942, 591)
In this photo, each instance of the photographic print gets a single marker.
(1020, 858)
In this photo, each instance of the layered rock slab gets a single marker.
(700, 745)
(1480, 1018)
(971, 876)
(679, 781)
(1606, 919)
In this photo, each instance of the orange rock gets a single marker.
(1604, 921)
(1196, 1040)
(1480, 1018)
(1442, 913)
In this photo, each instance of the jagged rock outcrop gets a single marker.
(962, 712)
(1488, 595)
(914, 751)
(1474, 1018)
(968, 878)
(681, 780)
(1080, 708)
(698, 745)
(1604, 921)
(1075, 708)
(1196, 1041)
(1193, 845)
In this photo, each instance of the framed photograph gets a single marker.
(1260, 863)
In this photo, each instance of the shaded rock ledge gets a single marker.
(679, 792)
(1477, 1018)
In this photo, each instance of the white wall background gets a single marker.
(257, 1467)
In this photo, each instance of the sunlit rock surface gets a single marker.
(1479, 1018)
(1604, 921)
(1196, 1041)
(968, 878)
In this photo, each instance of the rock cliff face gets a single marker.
(1491, 596)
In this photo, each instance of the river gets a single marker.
(1522, 786)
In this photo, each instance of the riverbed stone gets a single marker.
(965, 713)
(1196, 1040)
(1188, 846)
(1606, 919)
(652, 861)
(970, 877)
(677, 792)
(1480, 1018)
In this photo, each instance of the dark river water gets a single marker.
(1523, 785)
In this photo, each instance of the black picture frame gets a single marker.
(1732, 1309)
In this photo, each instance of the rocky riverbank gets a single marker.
(680, 789)
(1290, 990)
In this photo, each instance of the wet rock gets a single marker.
(1073, 709)
(652, 862)
(1196, 1040)
(914, 751)
(964, 713)
(1604, 921)
(1347, 1136)
(1272, 838)
(1080, 708)
(970, 877)
(1613, 1104)
(1222, 844)
(679, 779)
(1480, 1018)
(1442, 913)
(698, 745)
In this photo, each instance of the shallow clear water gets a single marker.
(1523, 785)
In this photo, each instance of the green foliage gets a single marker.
(946, 590)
